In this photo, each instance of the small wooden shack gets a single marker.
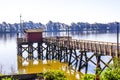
(33, 35)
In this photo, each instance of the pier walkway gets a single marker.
(104, 48)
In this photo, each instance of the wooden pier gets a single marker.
(75, 52)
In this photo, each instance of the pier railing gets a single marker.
(105, 48)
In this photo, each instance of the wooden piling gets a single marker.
(40, 51)
(80, 63)
(98, 68)
(30, 51)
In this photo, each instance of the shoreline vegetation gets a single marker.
(58, 27)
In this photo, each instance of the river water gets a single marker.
(8, 46)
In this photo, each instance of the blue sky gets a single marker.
(65, 11)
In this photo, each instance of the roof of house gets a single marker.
(33, 30)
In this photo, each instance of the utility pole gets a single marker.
(118, 40)
(20, 23)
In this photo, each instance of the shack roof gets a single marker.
(33, 30)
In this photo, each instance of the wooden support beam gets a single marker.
(106, 64)
(80, 63)
(66, 55)
(118, 55)
(98, 68)
(70, 57)
(40, 51)
(86, 64)
(47, 51)
(30, 51)
(20, 50)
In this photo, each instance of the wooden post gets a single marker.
(19, 49)
(47, 51)
(98, 66)
(63, 54)
(53, 51)
(118, 39)
(66, 52)
(80, 63)
(76, 58)
(86, 62)
(70, 57)
(60, 54)
(30, 51)
(57, 52)
(40, 52)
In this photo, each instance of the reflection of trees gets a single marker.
(7, 36)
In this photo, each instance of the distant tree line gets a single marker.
(57, 26)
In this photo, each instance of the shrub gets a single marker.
(88, 77)
(112, 73)
(109, 74)
(54, 75)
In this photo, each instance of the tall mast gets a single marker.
(20, 24)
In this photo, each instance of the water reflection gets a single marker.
(37, 66)
(107, 36)
(7, 36)
(51, 34)
(8, 52)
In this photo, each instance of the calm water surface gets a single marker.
(8, 47)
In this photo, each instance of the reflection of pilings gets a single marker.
(19, 62)
(30, 51)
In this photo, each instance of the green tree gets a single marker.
(53, 75)
(88, 77)
(112, 73)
